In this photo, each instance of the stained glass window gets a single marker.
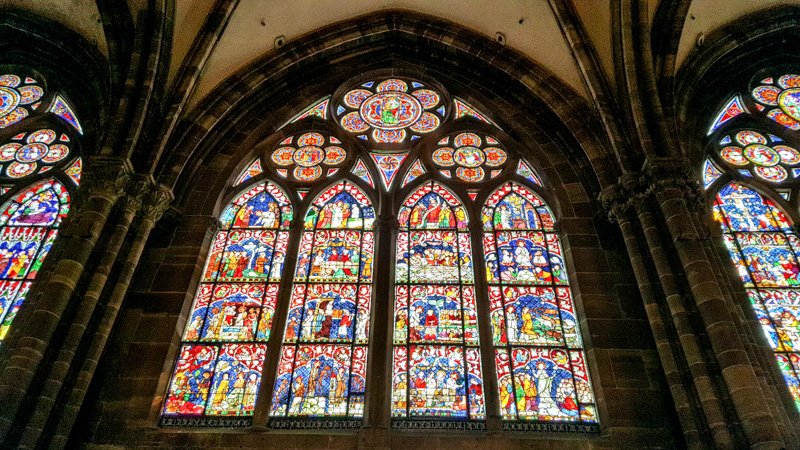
(28, 227)
(436, 365)
(219, 367)
(764, 250)
(33, 152)
(322, 368)
(19, 97)
(308, 153)
(539, 354)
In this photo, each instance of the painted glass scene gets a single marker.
(322, 369)
(28, 227)
(538, 348)
(436, 365)
(219, 368)
(764, 251)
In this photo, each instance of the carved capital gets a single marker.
(106, 177)
(155, 202)
(672, 174)
(135, 191)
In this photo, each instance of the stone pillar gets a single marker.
(671, 187)
(619, 201)
(131, 202)
(153, 206)
(103, 185)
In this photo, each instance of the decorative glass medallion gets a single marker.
(391, 109)
(468, 153)
(388, 165)
(32, 152)
(18, 98)
(307, 152)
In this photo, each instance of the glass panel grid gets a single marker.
(218, 372)
(538, 350)
(436, 369)
(322, 370)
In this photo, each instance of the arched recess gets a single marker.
(726, 65)
(534, 112)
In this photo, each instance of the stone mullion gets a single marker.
(103, 186)
(275, 342)
(491, 392)
(737, 371)
(669, 352)
(58, 372)
(153, 207)
(692, 350)
(377, 410)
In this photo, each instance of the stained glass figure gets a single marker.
(781, 100)
(750, 149)
(18, 98)
(322, 368)
(320, 109)
(525, 171)
(764, 250)
(392, 109)
(62, 109)
(253, 170)
(733, 108)
(387, 164)
(416, 170)
(28, 153)
(307, 153)
(360, 170)
(222, 354)
(28, 227)
(538, 349)
(710, 173)
(436, 364)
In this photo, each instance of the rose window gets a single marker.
(785, 94)
(307, 154)
(18, 98)
(392, 110)
(470, 154)
(749, 149)
(28, 152)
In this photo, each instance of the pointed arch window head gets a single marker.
(322, 368)
(764, 251)
(28, 227)
(436, 369)
(539, 352)
(224, 344)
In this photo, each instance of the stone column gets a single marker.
(671, 188)
(155, 203)
(103, 185)
(620, 206)
(131, 202)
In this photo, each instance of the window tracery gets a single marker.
(437, 366)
